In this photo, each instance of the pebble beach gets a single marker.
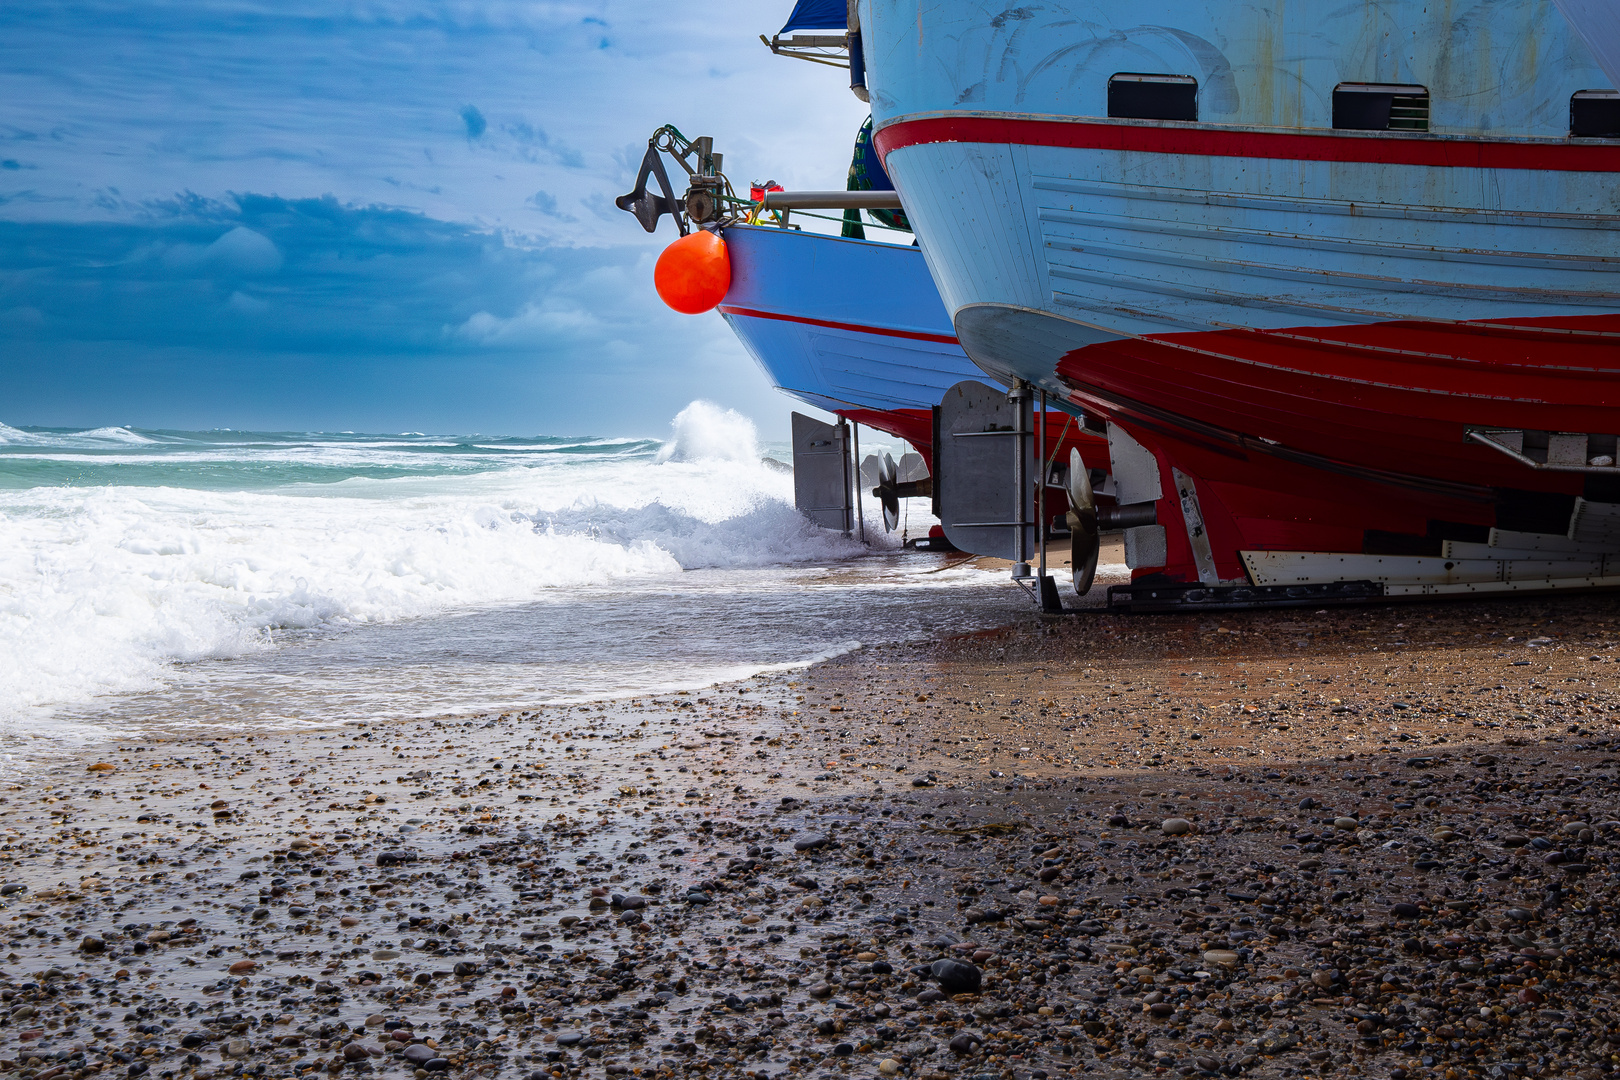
(1357, 842)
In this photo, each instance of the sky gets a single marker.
(383, 216)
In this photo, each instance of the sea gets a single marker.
(225, 581)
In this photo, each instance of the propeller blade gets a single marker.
(871, 471)
(912, 468)
(1080, 494)
(1082, 518)
(888, 485)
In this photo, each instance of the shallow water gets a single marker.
(163, 579)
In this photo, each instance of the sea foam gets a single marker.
(103, 589)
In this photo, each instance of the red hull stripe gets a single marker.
(883, 331)
(1378, 149)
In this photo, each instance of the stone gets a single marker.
(1175, 826)
(888, 1066)
(418, 1053)
(92, 945)
(810, 842)
(963, 1044)
(956, 977)
(1346, 824)
(242, 967)
(1223, 957)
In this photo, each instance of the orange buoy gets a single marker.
(693, 273)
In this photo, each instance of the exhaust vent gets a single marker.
(1380, 107)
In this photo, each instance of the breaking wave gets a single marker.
(104, 587)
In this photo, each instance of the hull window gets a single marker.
(1136, 96)
(1595, 114)
(1380, 107)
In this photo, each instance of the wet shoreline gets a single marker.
(1316, 844)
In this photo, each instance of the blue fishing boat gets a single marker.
(854, 327)
(1341, 279)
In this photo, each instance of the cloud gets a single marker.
(546, 203)
(263, 311)
(245, 252)
(534, 326)
(536, 145)
(352, 232)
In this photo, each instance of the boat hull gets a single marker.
(1311, 322)
(858, 329)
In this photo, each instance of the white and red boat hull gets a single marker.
(1308, 324)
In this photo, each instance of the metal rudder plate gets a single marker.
(822, 489)
(979, 500)
(1135, 477)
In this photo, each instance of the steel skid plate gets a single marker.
(1443, 575)
(822, 477)
(984, 465)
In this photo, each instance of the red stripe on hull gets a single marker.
(1382, 148)
(881, 331)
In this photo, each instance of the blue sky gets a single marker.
(391, 215)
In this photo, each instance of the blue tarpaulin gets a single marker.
(817, 15)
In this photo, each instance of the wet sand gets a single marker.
(1368, 841)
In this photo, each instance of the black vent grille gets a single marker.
(1380, 107)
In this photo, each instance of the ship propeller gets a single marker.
(887, 492)
(1082, 524)
(890, 483)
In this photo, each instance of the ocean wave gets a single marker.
(104, 588)
(94, 437)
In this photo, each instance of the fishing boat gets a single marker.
(856, 327)
(1339, 282)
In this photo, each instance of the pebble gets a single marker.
(1286, 937)
(955, 976)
